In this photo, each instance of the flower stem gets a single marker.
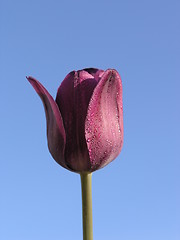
(87, 206)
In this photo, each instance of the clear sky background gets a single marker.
(136, 197)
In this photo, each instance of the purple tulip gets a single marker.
(85, 122)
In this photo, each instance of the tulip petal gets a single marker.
(104, 121)
(55, 128)
(73, 98)
(96, 73)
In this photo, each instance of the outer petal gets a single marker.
(55, 128)
(104, 121)
(73, 98)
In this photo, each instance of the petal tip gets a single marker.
(30, 79)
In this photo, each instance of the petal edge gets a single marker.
(55, 128)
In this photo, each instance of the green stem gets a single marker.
(87, 206)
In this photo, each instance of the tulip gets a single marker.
(85, 122)
(84, 125)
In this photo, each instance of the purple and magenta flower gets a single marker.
(85, 121)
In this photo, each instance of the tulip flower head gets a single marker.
(85, 121)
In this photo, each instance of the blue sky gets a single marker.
(137, 196)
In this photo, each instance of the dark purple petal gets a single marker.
(73, 98)
(55, 129)
(96, 73)
(104, 121)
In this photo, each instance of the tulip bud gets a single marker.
(85, 122)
